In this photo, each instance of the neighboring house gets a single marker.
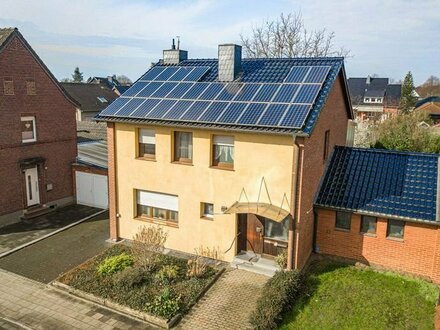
(92, 98)
(374, 99)
(382, 208)
(226, 153)
(110, 81)
(431, 105)
(90, 168)
(38, 134)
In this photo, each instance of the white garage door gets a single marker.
(91, 189)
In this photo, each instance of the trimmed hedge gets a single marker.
(278, 295)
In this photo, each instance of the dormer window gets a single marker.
(367, 100)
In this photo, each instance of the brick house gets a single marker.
(226, 153)
(38, 135)
(381, 208)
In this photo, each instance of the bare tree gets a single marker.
(124, 80)
(288, 37)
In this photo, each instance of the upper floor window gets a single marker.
(31, 88)
(395, 228)
(147, 143)
(343, 220)
(368, 224)
(326, 144)
(28, 130)
(223, 151)
(157, 206)
(183, 147)
(8, 86)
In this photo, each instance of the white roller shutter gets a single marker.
(162, 201)
(224, 140)
(147, 136)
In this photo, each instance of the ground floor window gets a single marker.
(395, 228)
(368, 224)
(343, 220)
(157, 206)
(276, 230)
(207, 210)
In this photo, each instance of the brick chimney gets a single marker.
(174, 55)
(229, 62)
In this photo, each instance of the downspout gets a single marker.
(298, 198)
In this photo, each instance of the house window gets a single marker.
(223, 151)
(147, 143)
(183, 146)
(395, 228)
(276, 230)
(207, 210)
(8, 87)
(367, 99)
(28, 131)
(368, 224)
(102, 99)
(343, 220)
(326, 144)
(31, 88)
(157, 206)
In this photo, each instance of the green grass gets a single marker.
(346, 297)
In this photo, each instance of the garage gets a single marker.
(91, 189)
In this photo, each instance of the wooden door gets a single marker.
(255, 234)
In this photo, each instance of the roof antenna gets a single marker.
(178, 42)
(173, 45)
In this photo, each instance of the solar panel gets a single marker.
(232, 112)
(213, 112)
(145, 108)
(196, 110)
(195, 91)
(178, 110)
(296, 74)
(163, 90)
(115, 106)
(286, 93)
(149, 89)
(130, 107)
(252, 113)
(197, 73)
(167, 73)
(181, 73)
(161, 109)
(136, 88)
(295, 116)
(266, 92)
(179, 90)
(247, 92)
(317, 74)
(211, 92)
(229, 92)
(152, 73)
(272, 115)
(307, 93)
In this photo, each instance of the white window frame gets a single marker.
(156, 200)
(207, 215)
(34, 128)
(147, 136)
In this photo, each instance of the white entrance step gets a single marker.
(255, 263)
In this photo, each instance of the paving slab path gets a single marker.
(228, 304)
(27, 304)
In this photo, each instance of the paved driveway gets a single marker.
(46, 260)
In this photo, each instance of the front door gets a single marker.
(255, 234)
(32, 192)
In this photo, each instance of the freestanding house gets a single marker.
(226, 153)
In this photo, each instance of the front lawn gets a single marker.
(164, 287)
(346, 297)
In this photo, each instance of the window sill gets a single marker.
(150, 159)
(28, 141)
(207, 218)
(222, 168)
(182, 163)
(368, 234)
(395, 239)
(158, 222)
(342, 229)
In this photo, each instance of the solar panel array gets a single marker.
(175, 93)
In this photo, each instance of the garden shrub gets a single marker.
(281, 259)
(148, 244)
(114, 264)
(131, 277)
(278, 295)
(199, 264)
(167, 274)
(164, 305)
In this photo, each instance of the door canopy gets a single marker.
(266, 210)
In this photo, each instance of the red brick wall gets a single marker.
(417, 253)
(55, 126)
(333, 117)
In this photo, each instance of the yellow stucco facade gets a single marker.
(256, 156)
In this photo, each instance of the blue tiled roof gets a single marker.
(386, 183)
(253, 71)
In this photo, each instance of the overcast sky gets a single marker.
(387, 38)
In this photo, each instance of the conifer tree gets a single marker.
(77, 76)
(407, 98)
